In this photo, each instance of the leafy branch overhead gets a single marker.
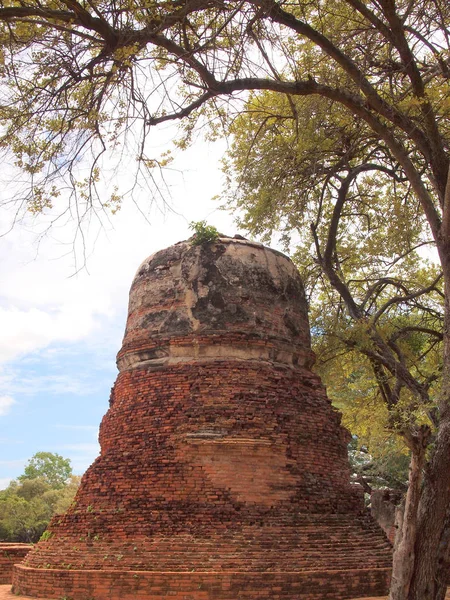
(82, 81)
(328, 181)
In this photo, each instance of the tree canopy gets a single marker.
(46, 487)
(84, 80)
(48, 467)
(360, 240)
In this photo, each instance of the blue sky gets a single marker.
(60, 332)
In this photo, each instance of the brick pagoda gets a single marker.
(223, 471)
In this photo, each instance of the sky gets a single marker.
(61, 326)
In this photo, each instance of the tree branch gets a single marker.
(405, 330)
(402, 299)
(277, 14)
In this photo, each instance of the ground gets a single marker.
(5, 594)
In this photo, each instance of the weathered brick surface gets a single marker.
(223, 471)
(133, 585)
(11, 554)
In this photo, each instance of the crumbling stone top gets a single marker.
(230, 298)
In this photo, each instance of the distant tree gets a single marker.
(379, 470)
(49, 467)
(23, 520)
(66, 495)
(28, 504)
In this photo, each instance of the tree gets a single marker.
(388, 470)
(22, 520)
(48, 467)
(79, 77)
(371, 292)
(28, 503)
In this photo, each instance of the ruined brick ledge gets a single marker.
(141, 585)
(10, 554)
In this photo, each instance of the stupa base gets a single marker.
(151, 585)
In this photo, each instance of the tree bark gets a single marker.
(405, 539)
(430, 574)
(444, 560)
(428, 582)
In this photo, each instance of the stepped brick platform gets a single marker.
(223, 471)
(10, 554)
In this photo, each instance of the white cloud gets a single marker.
(4, 482)
(81, 455)
(28, 330)
(6, 403)
(42, 301)
(28, 382)
(93, 428)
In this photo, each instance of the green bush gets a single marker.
(203, 233)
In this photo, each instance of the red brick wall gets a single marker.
(268, 495)
(138, 585)
(11, 554)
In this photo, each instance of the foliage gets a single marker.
(385, 468)
(22, 520)
(203, 233)
(82, 81)
(28, 504)
(45, 536)
(66, 495)
(51, 468)
(332, 188)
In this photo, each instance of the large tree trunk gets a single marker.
(405, 539)
(428, 581)
(444, 559)
(430, 575)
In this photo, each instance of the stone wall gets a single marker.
(11, 554)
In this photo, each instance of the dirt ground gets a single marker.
(5, 594)
(447, 597)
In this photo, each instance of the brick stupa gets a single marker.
(223, 471)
